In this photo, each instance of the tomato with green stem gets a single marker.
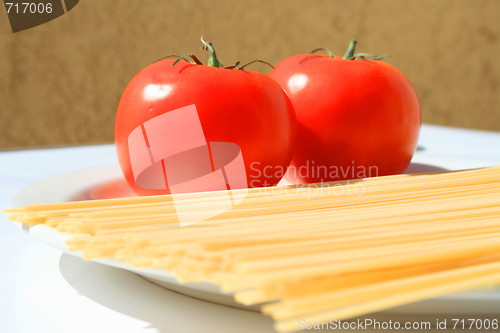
(357, 116)
(238, 106)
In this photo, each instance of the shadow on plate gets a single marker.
(422, 168)
(164, 310)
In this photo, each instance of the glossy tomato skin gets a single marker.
(356, 118)
(238, 106)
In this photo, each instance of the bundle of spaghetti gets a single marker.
(315, 252)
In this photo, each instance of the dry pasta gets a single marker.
(314, 252)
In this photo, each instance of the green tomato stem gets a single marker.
(213, 61)
(349, 54)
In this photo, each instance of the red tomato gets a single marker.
(356, 117)
(236, 106)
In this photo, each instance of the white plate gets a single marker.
(75, 184)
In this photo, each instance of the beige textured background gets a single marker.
(60, 82)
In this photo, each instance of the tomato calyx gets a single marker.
(327, 51)
(348, 55)
(212, 61)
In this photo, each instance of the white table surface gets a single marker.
(43, 290)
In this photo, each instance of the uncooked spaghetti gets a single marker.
(338, 250)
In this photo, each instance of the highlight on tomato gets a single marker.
(183, 126)
(357, 115)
